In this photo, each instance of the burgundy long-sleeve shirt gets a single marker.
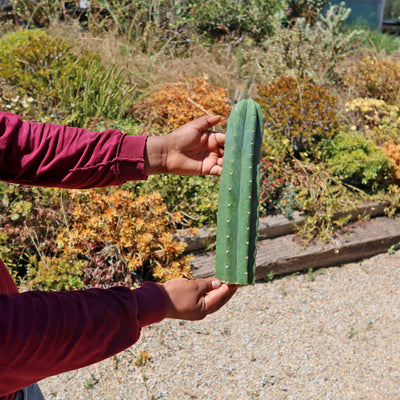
(42, 333)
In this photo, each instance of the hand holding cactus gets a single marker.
(194, 299)
(189, 150)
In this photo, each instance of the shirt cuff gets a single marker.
(152, 303)
(131, 158)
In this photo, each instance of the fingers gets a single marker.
(216, 170)
(216, 294)
(215, 299)
(215, 142)
(220, 140)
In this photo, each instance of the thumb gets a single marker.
(206, 122)
(215, 299)
(208, 284)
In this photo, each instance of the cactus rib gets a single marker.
(238, 204)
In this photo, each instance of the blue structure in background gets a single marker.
(364, 12)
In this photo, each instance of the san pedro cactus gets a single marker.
(239, 193)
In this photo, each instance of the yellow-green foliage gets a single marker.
(30, 220)
(56, 273)
(176, 104)
(375, 77)
(298, 111)
(50, 76)
(320, 195)
(375, 118)
(196, 197)
(358, 161)
(116, 229)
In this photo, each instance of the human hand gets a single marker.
(194, 299)
(192, 149)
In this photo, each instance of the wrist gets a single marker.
(169, 306)
(155, 160)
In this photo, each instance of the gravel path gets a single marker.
(333, 334)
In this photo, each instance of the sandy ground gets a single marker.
(332, 334)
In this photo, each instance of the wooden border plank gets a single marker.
(286, 255)
(274, 226)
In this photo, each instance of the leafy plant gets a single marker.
(358, 161)
(307, 9)
(176, 104)
(123, 238)
(319, 195)
(71, 88)
(298, 111)
(55, 273)
(234, 19)
(375, 77)
(392, 150)
(31, 60)
(272, 186)
(376, 119)
(30, 220)
(308, 50)
(195, 198)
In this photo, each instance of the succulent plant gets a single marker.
(239, 192)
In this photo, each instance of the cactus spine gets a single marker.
(239, 194)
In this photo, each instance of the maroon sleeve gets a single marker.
(44, 334)
(61, 156)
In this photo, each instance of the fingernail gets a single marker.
(216, 284)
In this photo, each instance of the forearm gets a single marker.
(60, 156)
(43, 334)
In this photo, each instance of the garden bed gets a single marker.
(280, 251)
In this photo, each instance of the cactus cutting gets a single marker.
(239, 192)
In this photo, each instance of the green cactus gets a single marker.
(239, 192)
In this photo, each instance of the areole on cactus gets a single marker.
(239, 192)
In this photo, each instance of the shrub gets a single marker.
(377, 41)
(376, 78)
(12, 101)
(234, 19)
(319, 195)
(392, 150)
(358, 161)
(123, 238)
(376, 119)
(55, 273)
(31, 59)
(194, 197)
(36, 13)
(66, 86)
(139, 19)
(308, 50)
(299, 112)
(307, 9)
(277, 194)
(271, 187)
(30, 221)
(176, 104)
(392, 9)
